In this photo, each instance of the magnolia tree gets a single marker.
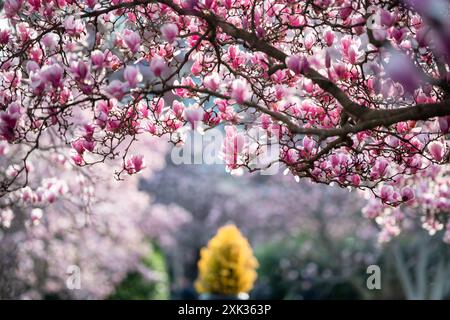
(354, 93)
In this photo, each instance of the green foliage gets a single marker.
(136, 287)
(289, 270)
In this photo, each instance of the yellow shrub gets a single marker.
(227, 265)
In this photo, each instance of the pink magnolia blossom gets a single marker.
(98, 59)
(4, 148)
(8, 121)
(212, 82)
(233, 145)
(340, 70)
(107, 243)
(298, 64)
(398, 34)
(77, 159)
(437, 150)
(50, 40)
(52, 74)
(178, 108)
(4, 37)
(402, 70)
(444, 124)
(91, 3)
(345, 12)
(407, 194)
(158, 66)
(265, 121)
(387, 19)
(32, 66)
(35, 4)
(359, 105)
(196, 68)
(77, 145)
(447, 236)
(291, 156)
(132, 40)
(6, 217)
(12, 7)
(74, 27)
(194, 115)
(387, 193)
(329, 37)
(309, 41)
(169, 32)
(117, 89)
(308, 143)
(356, 180)
(36, 216)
